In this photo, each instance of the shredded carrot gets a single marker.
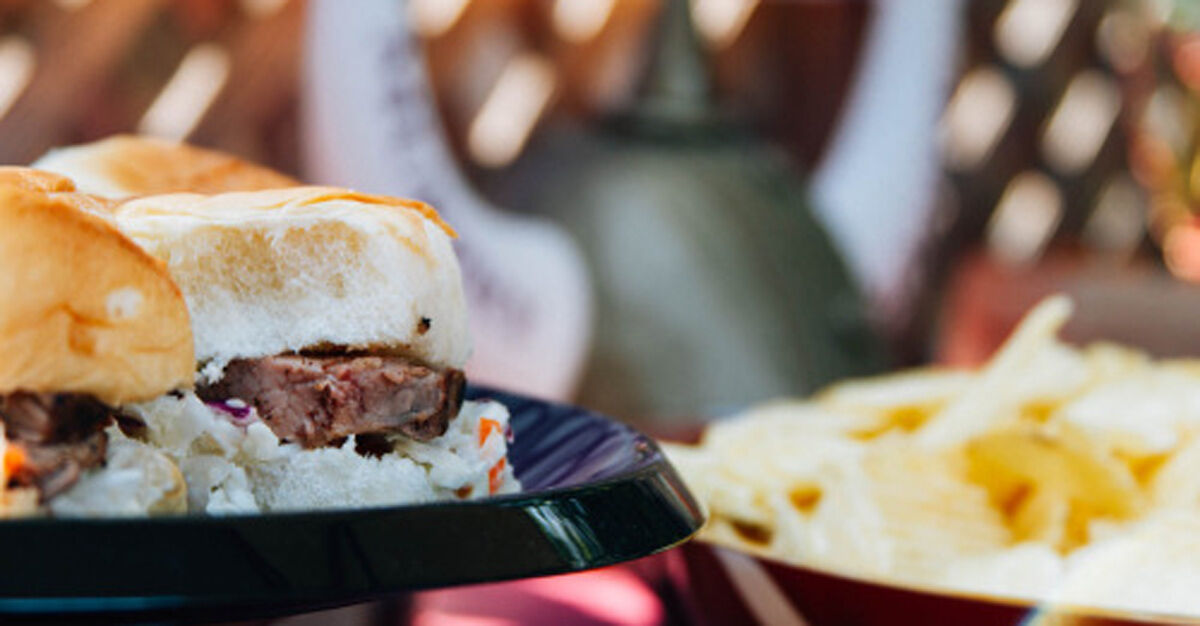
(14, 458)
(486, 426)
(494, 477)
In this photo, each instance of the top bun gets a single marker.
(127, 165)
(82, 308)
(30, 179)
(308, 268)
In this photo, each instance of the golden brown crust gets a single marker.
(95, 205)
(270, 199)
(82, 308)
(30, 179)
(320, 194)
(143, 165)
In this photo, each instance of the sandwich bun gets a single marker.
(84, 309)
(306, 268)
(129, 165)
(31, 179)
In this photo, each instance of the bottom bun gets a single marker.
(233, 463)
(136, 480)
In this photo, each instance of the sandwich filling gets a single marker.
(53, 438)
(234, 462)
(318, 401)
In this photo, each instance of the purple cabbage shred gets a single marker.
(241, 415)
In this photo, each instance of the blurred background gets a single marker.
(673, 209)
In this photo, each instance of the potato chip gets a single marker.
(1023, 571)
(897, 403)
(1140, 414)
(1045, 517)
(993, 396)
(1176, 484)
(1154, 566)
(1051, 482)
(1110, 361)
(929, 387)
(890, 512)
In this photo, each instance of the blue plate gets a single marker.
(596, 492)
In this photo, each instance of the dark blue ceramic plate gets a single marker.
(596, 493)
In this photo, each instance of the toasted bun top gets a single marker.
(127, 165)
(308, 268)
(82, 308)
(30, 179)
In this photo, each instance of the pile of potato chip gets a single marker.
(1053, 474)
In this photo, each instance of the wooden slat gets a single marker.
(76, 54)
(263, 82)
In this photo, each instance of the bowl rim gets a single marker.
(1031, 606)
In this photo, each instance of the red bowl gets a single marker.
(724, 586)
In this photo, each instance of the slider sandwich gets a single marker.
(330, 332)
(89, 323)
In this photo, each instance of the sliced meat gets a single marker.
(55, 467)
(61, 435)
(52, 417)
(318, 400)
